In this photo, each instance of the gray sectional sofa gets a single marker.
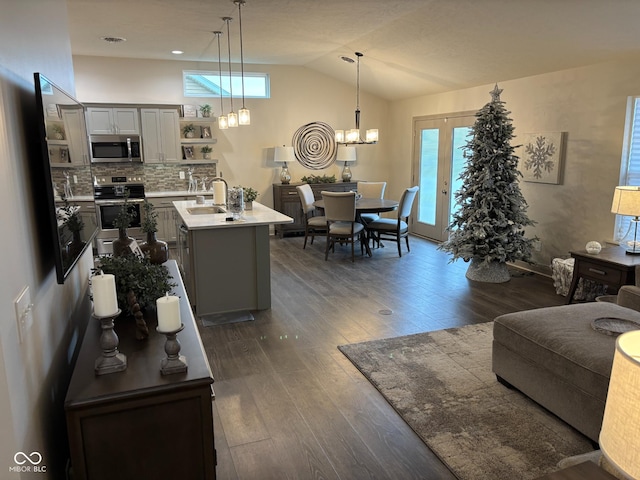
(554, 356)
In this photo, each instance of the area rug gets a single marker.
(442, 385)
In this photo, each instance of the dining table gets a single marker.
(367, 205)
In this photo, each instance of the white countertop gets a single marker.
(259, 215)
(182, 193)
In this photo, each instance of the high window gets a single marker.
(630, 165)
(215, 84)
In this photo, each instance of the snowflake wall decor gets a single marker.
(541, 157)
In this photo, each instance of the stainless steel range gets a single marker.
(110, 194)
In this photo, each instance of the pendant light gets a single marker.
(353, 135)
(232, 118)
(222, 119)
(244, 116)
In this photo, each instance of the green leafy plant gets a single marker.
(205, 110)
(70, 215)
(146, 280)
(58, 129)
(206, 149)
(319, 179)
(189, 128)
(249, 193)
(125, 215)
(150, 220)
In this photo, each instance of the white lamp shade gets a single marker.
(232, 119)
(626, 201)
(346, 154)
(284, 154)
(244, 116)
(620, 434)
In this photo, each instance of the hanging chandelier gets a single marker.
(352, 136)
(232, 117)
(244, 116)
(222, 119)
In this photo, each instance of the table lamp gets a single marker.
(626, 201)
(620, 434)
(346, 154)
(283, 155)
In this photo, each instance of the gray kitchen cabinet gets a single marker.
(160, 135)
(166, 216)
(113, 120)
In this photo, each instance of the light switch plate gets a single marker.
(24, 315)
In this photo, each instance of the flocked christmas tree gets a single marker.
(488, 228)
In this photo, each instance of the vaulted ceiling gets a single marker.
(410, 47)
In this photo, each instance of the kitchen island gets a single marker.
(225, 264)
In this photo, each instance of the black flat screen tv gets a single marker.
(66, 173)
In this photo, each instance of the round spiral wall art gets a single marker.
(314, 145)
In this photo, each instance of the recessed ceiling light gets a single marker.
(177, 52)
(114, 39)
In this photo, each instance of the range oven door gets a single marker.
(108, 211)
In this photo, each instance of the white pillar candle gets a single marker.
(105, 300)
(219, 194)
(168, 313)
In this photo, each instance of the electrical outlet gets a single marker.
(181, 175)
(75, 179)
(24, 314)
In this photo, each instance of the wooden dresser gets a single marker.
(287, 201)
(138, 423)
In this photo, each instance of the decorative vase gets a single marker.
(157, 250)
(74, 247)
(206, 156)
(189, 135)
(248, 205)
(235, 202)
(122, 244)
(491, 272)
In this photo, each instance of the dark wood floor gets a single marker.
(289, 405)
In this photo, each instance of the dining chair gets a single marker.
(340, 210)
(371, 190)
(395, 228)
(313, 224)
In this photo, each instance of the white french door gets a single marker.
(438, 161)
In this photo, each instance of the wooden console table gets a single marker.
(138, 423)
(582, 471)
(612, 266)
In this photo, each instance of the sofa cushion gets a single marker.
(562, 340)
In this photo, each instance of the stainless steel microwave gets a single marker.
(115, 148)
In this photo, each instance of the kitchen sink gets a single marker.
(206, 210)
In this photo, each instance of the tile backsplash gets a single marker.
(157, 178)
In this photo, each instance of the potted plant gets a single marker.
(122, 244)
(156, 250)
(58, 132)
(206, 152)
(139, 283)
(249, 196)
(319, 179)
(70, 216)
(205, 110)
(189, 130)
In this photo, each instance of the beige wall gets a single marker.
(298, 96)
(590, 105)
(35, 39)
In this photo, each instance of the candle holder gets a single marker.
(111, 360)
(174, 363)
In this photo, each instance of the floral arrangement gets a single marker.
(319, 179)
